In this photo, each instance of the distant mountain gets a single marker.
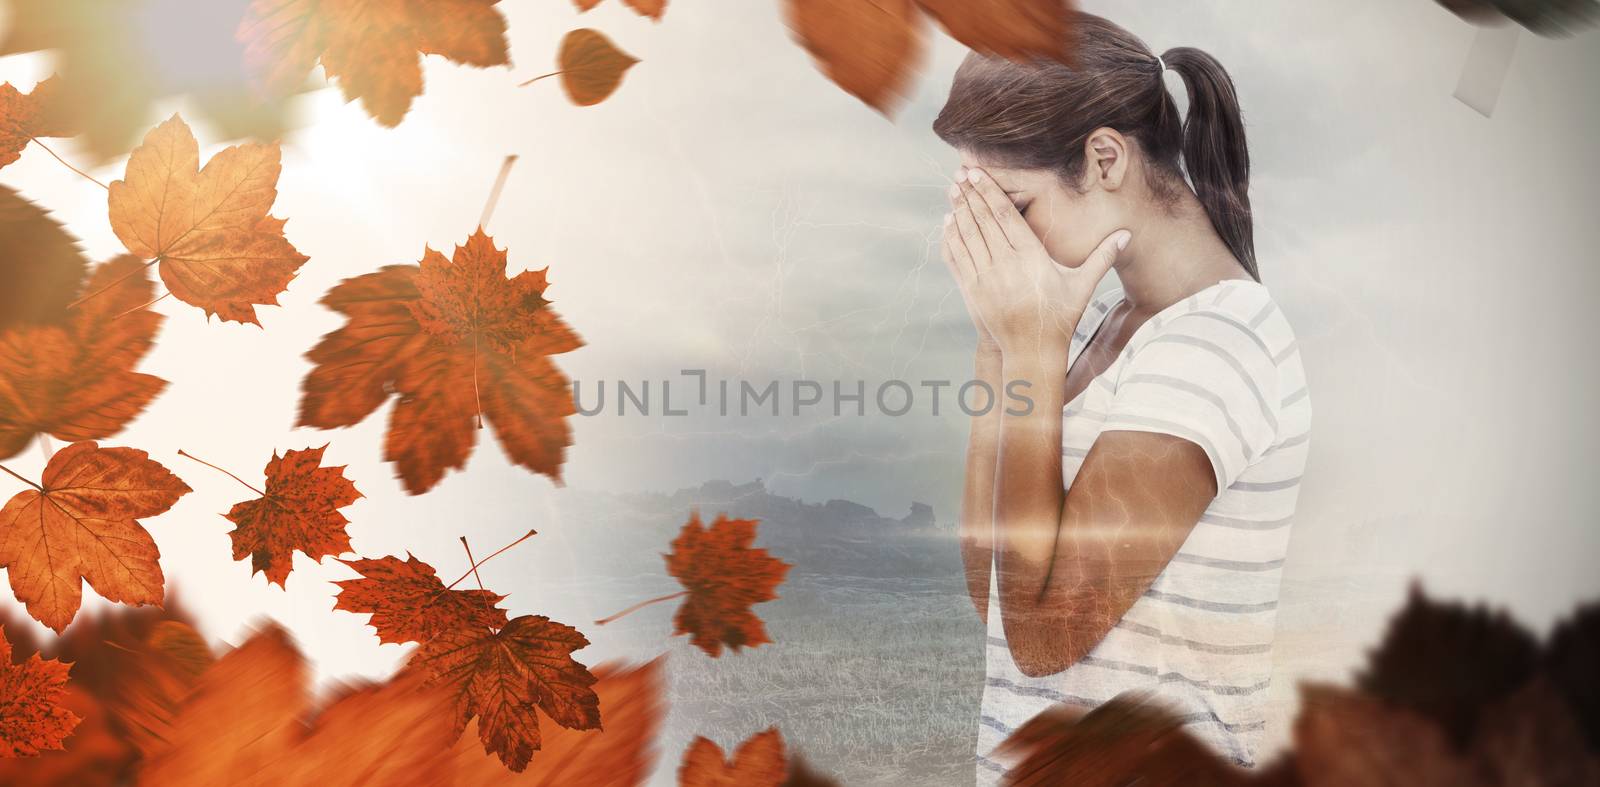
(838, 537)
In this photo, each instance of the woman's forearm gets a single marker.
(1028, 486)
(976, 529)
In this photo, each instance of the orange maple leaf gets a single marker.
(81, 523)
(208, 228)
(22, 117)
(872, 48)
(242, 725)
(723, 577)
(299, 511)
(408, 603)
(632, 702)
(32, 718)
(501, 676)
(373, 48)
(72, 376)
(459, 343)
(651, 8)
(759, 762)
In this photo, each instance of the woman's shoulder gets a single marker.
(1235, 310)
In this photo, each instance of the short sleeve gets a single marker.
(1205, 377)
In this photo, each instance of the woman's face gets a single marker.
(1069, 224)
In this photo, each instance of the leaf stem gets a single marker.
(181, 452)
(142, 306)
(120, 279)
(474, 569)
(642, 605)
(13, 474)
(473, 561)
(539, 77)
(64, 163)
(45, 447)
(494, 193)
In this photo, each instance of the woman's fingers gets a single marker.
(1006, 216)
(1099, 262)
(955, 253)
(967, 229)
(993, 237)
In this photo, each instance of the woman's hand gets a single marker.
(1018, 295)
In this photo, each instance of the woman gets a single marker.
(1127, 531)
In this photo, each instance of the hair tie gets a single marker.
(1162, 64)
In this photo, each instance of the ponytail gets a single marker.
(1214, 151)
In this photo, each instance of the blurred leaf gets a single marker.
(591, 67)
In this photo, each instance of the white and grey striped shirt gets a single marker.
(1219, 369)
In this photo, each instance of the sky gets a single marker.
(730, 210)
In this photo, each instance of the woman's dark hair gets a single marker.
(1038, 115)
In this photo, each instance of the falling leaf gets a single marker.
(622, 754)
(81, 524)
(759, 762)
(242, 725)
(126, 684)
(501, 676)
(1019, 30)
(372, 48)
(1132, 739)
(117, 60)
(651, 8)
(453, 339)
(724, 577)
(408, 603)
(299, 511)
(23, 117)
(591, 66)
(1419, 665)
(75, 380)
(42, 264)
(871, 48)
(209, 228)
(1345, 738)
(32, 718)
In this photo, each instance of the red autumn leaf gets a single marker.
(80, 524)
(872, 48)
(1133, 738)
(72, 377)
(651, 8)
(298, 511)
(501, 676)
(456, 341)
(591, 67)
(622, 754)
(372, 48)
(208, 228)
(243, 724)
(32, 718)
(724, 577)
(42, 266)
(408, 603)
(22, 117)
(759, 762)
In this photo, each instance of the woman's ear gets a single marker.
(1105, 156)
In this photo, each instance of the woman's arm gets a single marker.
(977, 497)
(1070, 563)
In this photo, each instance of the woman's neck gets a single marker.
(1175, 252)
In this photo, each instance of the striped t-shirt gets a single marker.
(1219, 369)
